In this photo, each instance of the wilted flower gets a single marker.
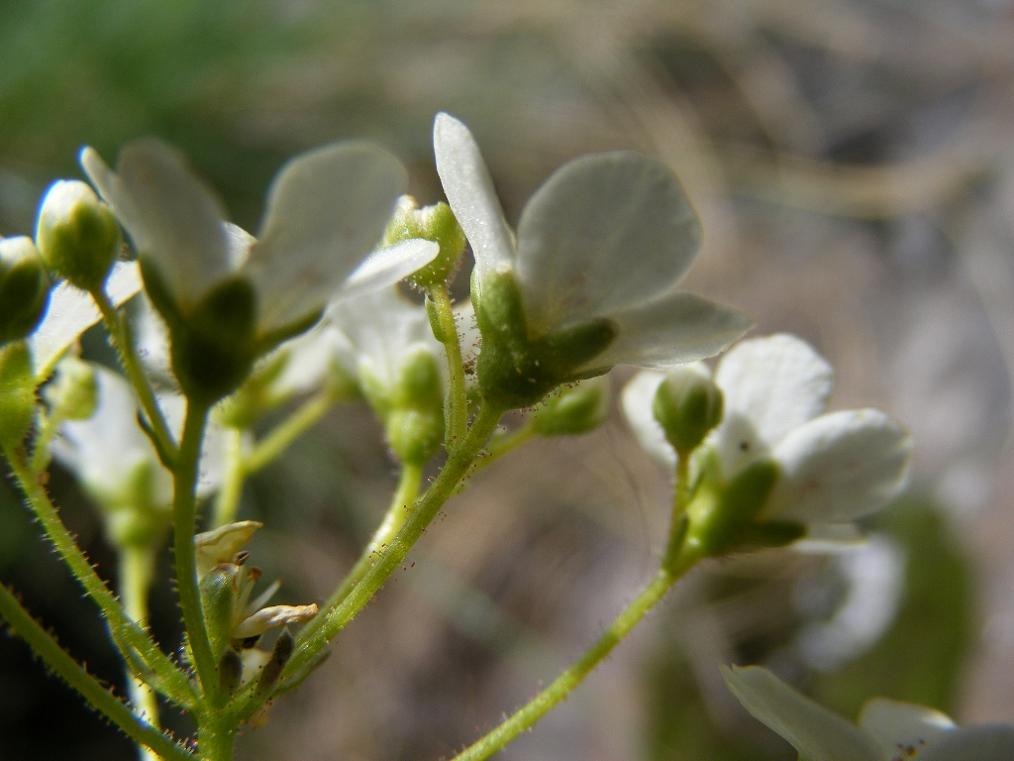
(599, 250)
(887, 730)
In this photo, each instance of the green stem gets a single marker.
(503, 445)
(335, 618)
(120, 334)
(184, 526)
(457, 397)
(217, 736)
(231, 490)
(290, 429)
(101, 699)
(402, 506)
(47, 426)
(137, 567)
(677, 559)
(133, 642)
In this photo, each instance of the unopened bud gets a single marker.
(415, 421)
(687, 405)
(219, 590)
(574, 410)
(77, 234)
(24, 288)
(435, 223)
(73, 394)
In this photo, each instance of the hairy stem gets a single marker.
(137, 566)
(120, 334)
(184, 526)
(101, 699)
(130, 639)
(456, 407)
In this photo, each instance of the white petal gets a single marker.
(387, 266)
(326, 210)
(471, 195)
(839, 467)
(276, 615)
(637, 399)
(896, 725)
(71, 312)
(824, 538)
(383, 329)
(172, 217)
(673, 330)
(106, 450)
(777, 382)
(991, 742)
(811, 729)
(604, 233)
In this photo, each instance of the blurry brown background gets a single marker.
(854, 166)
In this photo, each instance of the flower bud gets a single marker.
(24, 288)
(77, 234)
(435, 223)
(17, 394)
(574, 410)
(687, 405)
(74, 393)
(414, 422)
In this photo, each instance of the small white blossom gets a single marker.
(114, 459)
(326, 210)
(887, 730)
(606, 237)
(834, 467)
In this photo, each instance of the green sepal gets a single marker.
(255, 396)
(434, 317)
(573, 410)
(219, 590)
(721, 515)
(24, 291)
(769, 535)
(230, 671)
(516, 370)
(214, 351)
(687, 406)
(280, 655)
(17, 394)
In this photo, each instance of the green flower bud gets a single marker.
(414, 423)
(687, 405)
(574, 410)
(516, 370)
(77, 234)
(435, 223)
(73, 394)
(24, 288)
(723, 516)
(17, 394)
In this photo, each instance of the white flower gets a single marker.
(116, 462)
(607, 237)
(834, 467)
(326, 210)
(887, 730)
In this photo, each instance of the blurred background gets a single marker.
(853, 164)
